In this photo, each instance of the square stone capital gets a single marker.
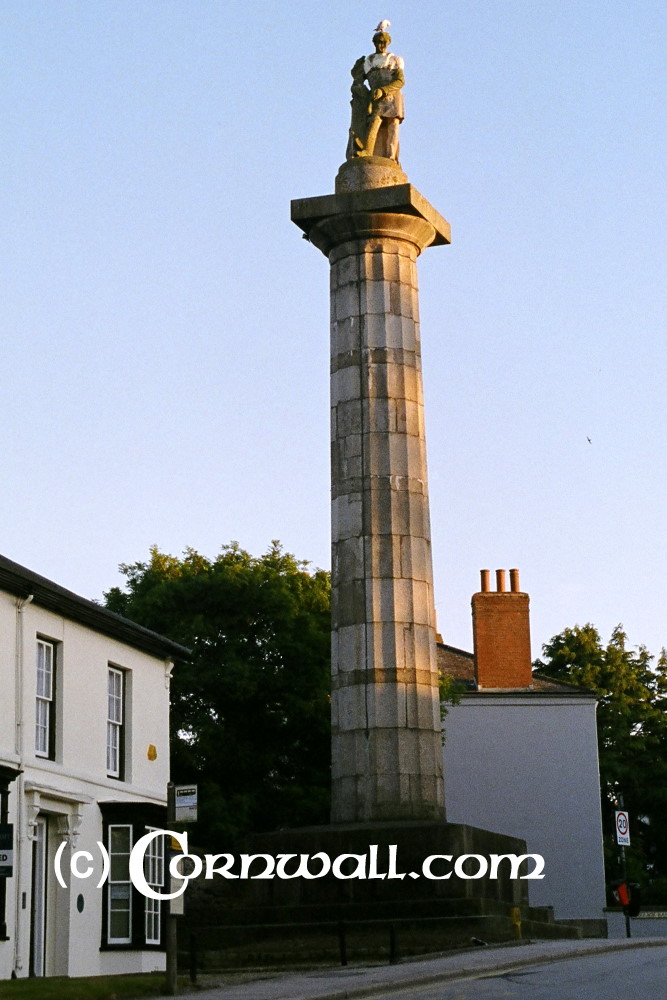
(402, 199)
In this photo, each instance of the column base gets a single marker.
(367, 172)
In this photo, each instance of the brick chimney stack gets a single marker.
(501, 633)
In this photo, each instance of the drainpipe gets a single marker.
(21, 604)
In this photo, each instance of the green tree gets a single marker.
(632, 739)
(250, 710)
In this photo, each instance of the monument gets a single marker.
(387, 781)
(386, 739)
(378, 105)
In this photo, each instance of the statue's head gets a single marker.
(381, 39)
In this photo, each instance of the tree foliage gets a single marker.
(632, 739)
(250, 710)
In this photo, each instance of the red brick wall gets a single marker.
(501, 635)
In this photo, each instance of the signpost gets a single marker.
(181, 808)
(622, 825)
(622, 828)
(172, 931)
(6, 850)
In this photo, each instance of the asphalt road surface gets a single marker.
(629, 975)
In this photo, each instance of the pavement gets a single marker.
(373, 980)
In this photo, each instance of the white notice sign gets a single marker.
(622, 828)
(185, 803)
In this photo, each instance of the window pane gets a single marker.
(119, 888)
(115, 700)
(119, 839)
(113, 747)
(119, 896)
(42, 726)
(152, 921)
(119, 925)
(115, 710)
(119, 870)
(154, 863)
(44, 669)
(119, 856)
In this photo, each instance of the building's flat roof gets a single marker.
(45, 593)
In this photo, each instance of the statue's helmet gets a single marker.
(382, 36)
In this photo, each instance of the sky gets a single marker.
(164, 328)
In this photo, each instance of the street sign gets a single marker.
(622, 828)
(185, 803)
(6, 850)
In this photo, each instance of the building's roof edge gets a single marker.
(530, 693)
(455, 649)
(540, 675)
(49, 595)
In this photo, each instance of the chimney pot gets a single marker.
(514, 581)
(501, 584)
(484, 574)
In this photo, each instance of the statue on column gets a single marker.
(377, 101)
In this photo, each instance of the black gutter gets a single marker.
(23, 582)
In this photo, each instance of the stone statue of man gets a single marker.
(377, 101)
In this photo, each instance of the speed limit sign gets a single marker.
(622, 828)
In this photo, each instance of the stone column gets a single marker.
(386, 743)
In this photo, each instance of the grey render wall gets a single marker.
(649, 924)
(528, 766)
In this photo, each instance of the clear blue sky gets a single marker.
(164, 370)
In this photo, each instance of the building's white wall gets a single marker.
(529, 768)
(68, 789)
(115, 963)
(83, 660)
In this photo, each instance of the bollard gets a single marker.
(393, 948)
(342, 944)
(193, 959)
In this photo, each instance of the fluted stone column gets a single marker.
(386, 743)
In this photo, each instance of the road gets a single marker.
(640, 973)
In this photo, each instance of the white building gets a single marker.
(521, 756)
(84, 758)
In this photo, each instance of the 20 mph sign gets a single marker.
(622, 828)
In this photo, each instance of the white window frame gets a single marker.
(154, 875)
(119, 888)
(115, 721)
(44, 714)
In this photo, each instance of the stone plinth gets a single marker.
(278, 919)
(386, 749)
(405, 885)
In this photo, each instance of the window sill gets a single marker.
(133, 947)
